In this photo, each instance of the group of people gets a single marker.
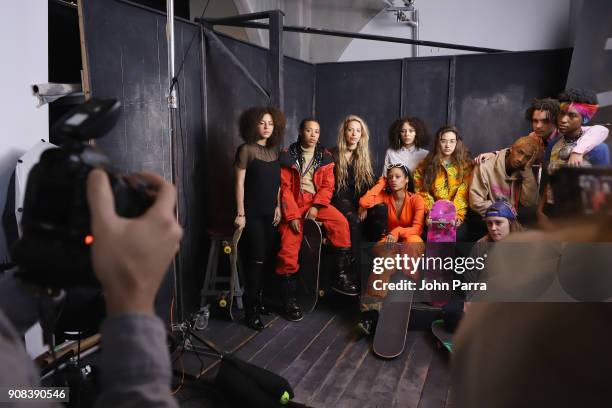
(337, 187)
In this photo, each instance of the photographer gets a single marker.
(130, 258)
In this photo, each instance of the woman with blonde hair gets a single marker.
(353, 176)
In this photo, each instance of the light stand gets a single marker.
(172, 110)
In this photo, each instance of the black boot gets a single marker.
(292, 309)
(368, 322)
(252, 317)
(262, 310)
(344, 283)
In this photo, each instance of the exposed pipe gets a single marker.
(311, 30)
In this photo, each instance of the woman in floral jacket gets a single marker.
(445, 173)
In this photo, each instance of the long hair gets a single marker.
(421, 138)
(362, 165)
(432, 163)
(250, 118)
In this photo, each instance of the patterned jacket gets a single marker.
(447, 186)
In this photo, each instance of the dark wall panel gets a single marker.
(425, 90)
(492, 92)
(228, 93)
(299, 79)
(127, 60)
(370, 90)
(299, 95)
(253, 58)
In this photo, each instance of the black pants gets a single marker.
(371, 230)
(258, 247)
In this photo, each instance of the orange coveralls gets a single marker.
(407, 229)
(295, 203)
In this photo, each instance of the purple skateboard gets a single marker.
(442, 229)
(441, 235)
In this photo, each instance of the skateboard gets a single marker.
(443, 214)
(441, 235)
(225, 300)
(392, 328)
(444, 338)
(310, 257)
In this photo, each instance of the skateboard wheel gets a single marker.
(223, 303)
(321, 293)
(227, 249)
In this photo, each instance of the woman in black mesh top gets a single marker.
(257, 202)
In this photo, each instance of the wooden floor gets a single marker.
(330, 364)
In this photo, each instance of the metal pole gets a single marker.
(275, 60)
(346, 34)
(172, 109)
(415, 32)
(170, 35)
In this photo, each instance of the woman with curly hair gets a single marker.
(407, 138)
(257, 187)
(353, 176)
(445, 173)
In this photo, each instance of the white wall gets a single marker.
(516, 25)
(24, 49)
(23, 46)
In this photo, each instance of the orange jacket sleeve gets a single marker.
(418, 218)
(375, 195)
(325, 185)
(289, 207)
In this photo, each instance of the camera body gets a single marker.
(54, 250)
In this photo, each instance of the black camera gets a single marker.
(54, 250)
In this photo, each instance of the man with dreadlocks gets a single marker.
(577, 108)
(542, 113)
(507, 177)
(307, 186)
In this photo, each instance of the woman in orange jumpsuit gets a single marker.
(405, 219)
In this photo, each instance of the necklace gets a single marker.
(568, 146)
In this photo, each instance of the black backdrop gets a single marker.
(485, 95)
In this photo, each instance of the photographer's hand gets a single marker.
(130, 256)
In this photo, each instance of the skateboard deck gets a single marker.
(444, 338)
(310, 257)
(394, 316)
(225, 301)
(441, 235)
(442, 229)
